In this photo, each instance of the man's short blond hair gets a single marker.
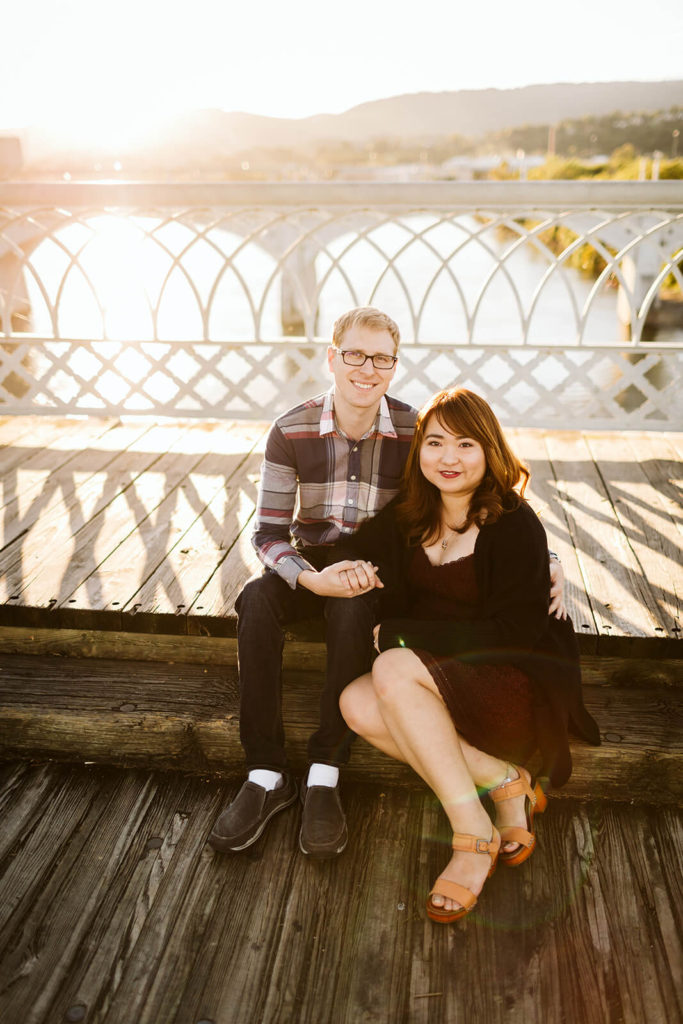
(365, 316)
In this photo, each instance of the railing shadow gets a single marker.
(104, 526)
(147, 528)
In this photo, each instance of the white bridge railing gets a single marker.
(559, 301)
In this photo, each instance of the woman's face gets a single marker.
(454, 464)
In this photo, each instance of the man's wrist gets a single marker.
(305, 579)
(291, 567)
(553, 556)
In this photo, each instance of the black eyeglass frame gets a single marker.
(343, 352)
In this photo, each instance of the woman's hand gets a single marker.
(375, 638)
(557, 606)
(342, 579)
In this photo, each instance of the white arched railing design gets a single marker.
(561, 301)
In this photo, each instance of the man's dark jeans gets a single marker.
(265, 607)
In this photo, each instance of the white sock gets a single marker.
(264, 777)
(323, 775)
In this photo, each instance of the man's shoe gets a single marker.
(243, 821)
(323, 825)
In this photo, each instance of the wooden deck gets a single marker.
(122, 549)
(132, 541)
(114, 911)
(144, 529)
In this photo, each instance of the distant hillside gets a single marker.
(215, 134)
(429, 115)
(474, 112)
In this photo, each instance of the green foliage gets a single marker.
(590, 136)
(584, 258)
(556, 168)
(624, 164)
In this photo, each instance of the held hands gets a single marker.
(557, 606)
(342, 579)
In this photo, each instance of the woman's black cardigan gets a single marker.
(510, 625)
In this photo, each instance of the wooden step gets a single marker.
(185, 716)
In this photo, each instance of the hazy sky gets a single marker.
(102, 66)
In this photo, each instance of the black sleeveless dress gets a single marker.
(491, 705)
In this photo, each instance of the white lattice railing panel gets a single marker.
(186, 299)
(602, 387)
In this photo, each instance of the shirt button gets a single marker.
(355, 449)
(350, 501)
(353, 476)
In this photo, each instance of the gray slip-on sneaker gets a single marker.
(323, 825)
(243, 821)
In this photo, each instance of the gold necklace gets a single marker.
(446, 541)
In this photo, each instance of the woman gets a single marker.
(473, 675)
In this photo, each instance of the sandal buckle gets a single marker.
(482, 845)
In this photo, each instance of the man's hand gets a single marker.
(342, 579)
(557, 605)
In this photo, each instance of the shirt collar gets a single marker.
(383, 425)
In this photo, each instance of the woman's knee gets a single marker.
(353, 704)
(391, 674)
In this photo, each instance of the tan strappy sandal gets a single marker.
(452, 890)
(535, 802)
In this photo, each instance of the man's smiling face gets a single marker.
(361, 387)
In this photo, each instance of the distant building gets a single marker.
(465, 168)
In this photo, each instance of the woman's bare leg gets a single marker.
(360, 708)
(367, 713)
(508, 812)
(423, 732)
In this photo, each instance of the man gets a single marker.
(329, 464)
(336, 460)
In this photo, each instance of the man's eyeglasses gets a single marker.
(352, 357)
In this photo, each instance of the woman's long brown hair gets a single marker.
(464, 414)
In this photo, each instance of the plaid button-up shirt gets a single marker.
(317, 485)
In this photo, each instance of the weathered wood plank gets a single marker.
(67, 531)
(240, 902)
(38, 465)
(123, 502)
(190, 562)
(133, 918)
(24, 792)
(14, 428)
(187, 717)
(183, 864)
(27, 872)
(546, 500)
(674, 441)
(137, 559)
(41, 435)
(116, 554)
(650, 530)
(194, 568)
(624, 606)
(212, 612)
(625, 868)
(52, 539)
(660, 460)
(68, 489)
(73, 857)
(305, 656)
(116, 942)
(367, 931)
